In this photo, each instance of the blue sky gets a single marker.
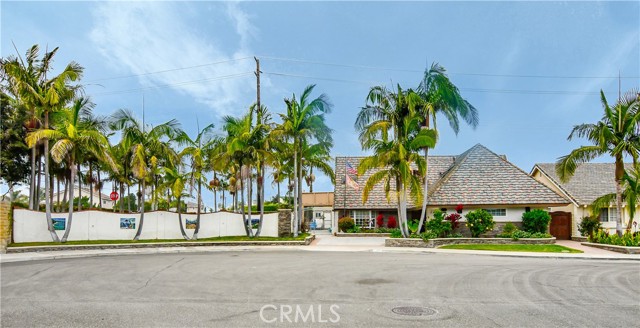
(532, 69)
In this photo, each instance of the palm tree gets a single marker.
(317, 156)
(197, 150)
(175, 181)
(393, 158)
(148, 146)
(630, 194)
(76, 135)
(616, 134)
(303, 120)
(440, 96)
(43, 95)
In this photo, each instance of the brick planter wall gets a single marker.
(437, 242)
(284, 223)
(5, 226)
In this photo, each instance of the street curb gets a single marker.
(53, 248)
(520, 255)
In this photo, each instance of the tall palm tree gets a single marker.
(303, 120)
(175, 180)
(43, 95)
(393, 158)
(317, 156)
(616, 135)
(197, 150)
(76, 134)
(440, 96)
(149, 146)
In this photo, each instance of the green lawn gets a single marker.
(515, 248)
(95, 242)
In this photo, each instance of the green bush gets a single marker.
(627, 239)
(588, 225)
(438, 224)
(346, 223)
(509, 228)
(395, 233)
(428, 235)
(536, 221)
(479, 221)
(355, 229)
(455, 235)
(520, 234)
(540, 235)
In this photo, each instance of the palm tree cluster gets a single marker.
(616, 134)
(55, 120)
(396, 125)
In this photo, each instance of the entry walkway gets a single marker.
(586, 249)
(325, 241)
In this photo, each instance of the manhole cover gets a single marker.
(415, 311)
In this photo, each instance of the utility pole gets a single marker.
(257, 72)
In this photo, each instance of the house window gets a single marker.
(318, 214)
(609, 214)
(497, 211)
(362, 218)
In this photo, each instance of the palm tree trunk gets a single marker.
(215, 199)
(70, 218)
(295, 191)
(99, 188)
(311, 179)
(122, 197)
(250, 199)
(51, 190)
(47, 186)
(244, 222)
(300, 178)
(37, 202)
(278, 197)
(139, 232)
(261, 191)
(619, 178)
(423, 213)
(90, 186)
(66, 192)
(195, 233)
(32, 183)
(58, 208)
(184, 233)
(79, 188)
(128, 198)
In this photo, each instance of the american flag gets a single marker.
(351, 170)
(351, 183)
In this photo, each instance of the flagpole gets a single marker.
(344, 206)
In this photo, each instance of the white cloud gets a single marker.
(144, 37)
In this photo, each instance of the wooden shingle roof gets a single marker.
(475, 177)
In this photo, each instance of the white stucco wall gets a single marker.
(31, 226)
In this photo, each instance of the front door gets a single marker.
(560, 226)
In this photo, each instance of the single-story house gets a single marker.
(590, 181)
(475, 179)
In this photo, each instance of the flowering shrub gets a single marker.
(391, 223)
(479, 221)
(438, 225)
(454, 219)
(589, 225)
(459, 208)
(346, 223)
(379, 221)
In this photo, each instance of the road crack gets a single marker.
(158, 272)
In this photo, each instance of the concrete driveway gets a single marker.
(362, 289)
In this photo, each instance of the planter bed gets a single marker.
(615, 248)
(363, 234)
(437, 242)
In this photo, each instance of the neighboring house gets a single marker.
(106, 201)
(476, 179)
(318, 206)
(590, 181)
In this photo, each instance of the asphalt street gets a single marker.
(365, 289)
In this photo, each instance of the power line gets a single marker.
(482, 90)
(218, 78)
(451, 73)
(168, 70)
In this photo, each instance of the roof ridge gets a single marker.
(553, 180)
(456, 164)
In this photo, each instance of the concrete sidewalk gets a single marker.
(324, 242)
